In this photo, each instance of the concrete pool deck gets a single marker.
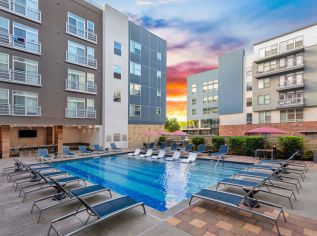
(202, 218)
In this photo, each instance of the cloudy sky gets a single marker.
(198, 31)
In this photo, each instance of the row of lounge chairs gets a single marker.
(40, 177)
(263, 180)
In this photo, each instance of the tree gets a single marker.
(172, 125)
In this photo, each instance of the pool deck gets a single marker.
(202, 218)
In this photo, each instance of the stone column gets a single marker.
(58, 138)
(5, 141)
(50, 135)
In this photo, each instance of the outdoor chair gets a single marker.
(191, 158)
(102, 211)
(201, 148)
(43, 155)
(135, 153)
(67, 152)
(148, 153)
(160, 155)
(99, 149)
(83, 150)
(223, 150)
(114, 147)
(176, 156)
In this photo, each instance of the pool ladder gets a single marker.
(223, 161)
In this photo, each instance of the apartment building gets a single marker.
(202, 103)
(65, 74)
(283, 90)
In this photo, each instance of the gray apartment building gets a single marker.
(202, 103)
(65, 74)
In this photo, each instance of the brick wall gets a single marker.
(137, 137)
(291, 128)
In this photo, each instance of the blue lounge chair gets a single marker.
(99, 149)
(43, 154)
(223, 150)
(102, 211)
(235, 201)
(188, 148)
(83, 150)
(114, 147)
(67, 152)
(174, 147)
(65, 196)
(201, 148)
(162, 146)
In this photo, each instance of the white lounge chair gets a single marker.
(160, 155)
(176, 156)
(191, 158)
(149, 153)
(135, 153)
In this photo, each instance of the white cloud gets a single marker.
(153, 2)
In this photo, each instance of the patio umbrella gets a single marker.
(164, 133)
(179, 133)
(148, 134)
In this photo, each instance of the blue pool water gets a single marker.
(158, 184)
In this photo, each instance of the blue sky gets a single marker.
(198, 31)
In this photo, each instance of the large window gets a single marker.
(264, 99)
(207, 110)
(194, 112)
(25, 37)
(194, 88)
(79, 54)
(117, 48)
(249, 102)
(76, 25)
(4, 30)
(4, 62)
(117, 72)
(135, 89)
(76, 80)
(135, 68)
(117, 95)
(25, 103)
(135, 110)
(263, 83)
(4, 96)
(27, 8)
(292, 115)
(210, 86)
(135, 47)
(25, 70)
(75, 104)
(249, 118)
(249, 86)
(194, 101)
(210, 99)
(264, 117)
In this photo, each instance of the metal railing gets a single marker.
(291, 84)
(80, 87)
(20, 9)
(74, 113)
(19, 110)
(20, 77)
(291, 102)
(19, 43)
(81, 60)
(278, 68)
(83, 34)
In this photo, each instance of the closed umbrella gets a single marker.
(149, 133)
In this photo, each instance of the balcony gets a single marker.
(19, 110)
(19, 43)
(291, 103)
(20, 77)
(82, 34)
(279, 70)
(294, 84)
(80, 114)
(81, 87)
(280, 55)
(81, 60)
(20, 9)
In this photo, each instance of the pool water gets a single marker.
(159, 184)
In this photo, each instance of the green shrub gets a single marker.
(216, 142)
(308, 155)
(253, 143)
(245, 145)
(237, 145)
(196, 140)
(162, 139)
(289, 145)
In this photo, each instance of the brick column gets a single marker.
(50, 136)
(5, 141)
(58, 138)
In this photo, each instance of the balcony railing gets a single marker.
(81, 60)
(21, 9)
(276, 55)
(19, 110)
(290, 103)
(20, 43)
(81, 87)
(288, 68)
(83, 34)
(293, 84)
(80, 114)
(20, 77)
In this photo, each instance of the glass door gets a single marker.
(76, 25)
(76, 52)
(20, 7)
(4, 31)
(25, 103)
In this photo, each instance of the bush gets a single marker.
(237, 145)
(308, 155)
(216, 142)
(162, 139)
(245, 145)
(289, 145)
(253, 143)
(197, 140)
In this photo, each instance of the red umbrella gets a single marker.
(164, 133)
(179, 133)
(266, 130)
(149, 133)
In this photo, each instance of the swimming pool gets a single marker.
(159, 184)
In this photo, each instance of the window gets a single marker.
(249, 102)
(90, 27)
(249, 86)
(263, 83)
(291, 115)
(159, 74)
(25, 70)
(135, 89)
(249, 118)
(117, 95)
(264, 117)
(25, 103)
(282, 62)
(90, 81)
(249, 71)
(215, 110)
(215, 98)
(90, 53)
(116, 137)
(194, 101)
(76, 79)
(207, 99)
(262, 53)
(274, 49)
(210, 86)
(78, 54)
(290, 44)
(4, 61)
(299, 59)
(215, 85)
(260, 68)
(283, 46)
(298, 41)
(194, 88)
(4, 28)
(25, 37)
(135, 110)
(135, 47)
(158, 92)
(76, 25)
(158, 111)
(135, 68)
(159, 56)
(4, 96)
(273, 65)
(90, 105)
(74, 105)
(207, 111)
(194, 112)
(117, 72)
(264, 99)
(117, 48)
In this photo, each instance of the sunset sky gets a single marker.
(198, 31)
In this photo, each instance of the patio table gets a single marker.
(259, 151)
